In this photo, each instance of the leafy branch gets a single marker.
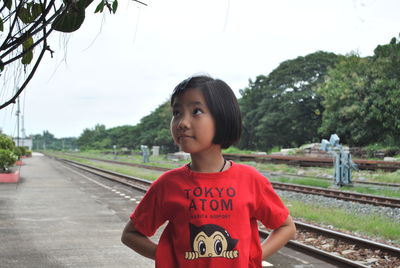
(26, 25)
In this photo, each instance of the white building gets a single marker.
(25, 142)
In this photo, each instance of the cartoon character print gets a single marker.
(209, 241)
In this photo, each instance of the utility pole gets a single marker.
(17, 114)
(23, 134)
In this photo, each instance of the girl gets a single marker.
(211, 205)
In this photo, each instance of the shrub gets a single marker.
(7, 153)
(23, 150)
(18, 152)
(7, 158)
(6, 142)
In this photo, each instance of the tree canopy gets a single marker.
(362, 97)
(282, 108)
(152, 130)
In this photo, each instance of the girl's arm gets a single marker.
(278, 238)
(138, 242)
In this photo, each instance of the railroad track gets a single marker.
(343, 195)
(271, 174)
(384, 184)
(364, 252)
(314, 161)
(341, 249)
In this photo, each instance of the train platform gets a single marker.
(56, 216)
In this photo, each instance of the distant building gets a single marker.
(24, 142)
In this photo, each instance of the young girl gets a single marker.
(211, 205)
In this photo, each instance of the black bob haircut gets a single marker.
(222, 103)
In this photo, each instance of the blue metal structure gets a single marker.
(145, 153)
(343, 162)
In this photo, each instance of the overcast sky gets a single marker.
(118, 68)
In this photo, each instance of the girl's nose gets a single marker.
(183, 123)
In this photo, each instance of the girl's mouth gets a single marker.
(183, 137)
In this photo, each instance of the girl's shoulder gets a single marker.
(172, 173)
(245, 168)
(249, 172)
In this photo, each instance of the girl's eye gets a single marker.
(175, 113)
(197, 111)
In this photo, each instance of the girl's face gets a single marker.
(192, 125)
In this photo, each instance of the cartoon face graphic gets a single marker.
(210, 241)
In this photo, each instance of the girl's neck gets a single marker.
(208, 162)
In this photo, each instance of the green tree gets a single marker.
(347, 102)
(47, 141)
(283, 109)
(153, 129)
(122, 136)
(385, 91)
(86, 139)
(100, 139)
(362, 96)
(249, 101)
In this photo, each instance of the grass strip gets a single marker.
(130, 171)
(388, 192)
(126, 170)
(158, 161)
(372, 225)
(365, 175)
(303, 181)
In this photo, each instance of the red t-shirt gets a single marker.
(212, 217)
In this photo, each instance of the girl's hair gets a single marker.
(222, 103)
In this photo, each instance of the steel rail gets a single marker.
(359, 241)
(344, 195)
(318, 253)
(384, 184)
(314, 161)
(134, 182)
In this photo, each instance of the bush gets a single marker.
(7, 158)
(20, 151)
(7, 153)
(6, 143)
(373, 150)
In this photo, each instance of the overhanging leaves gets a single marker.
(27, 14)
(100, 7)
(36, 19)
(8, 4)
(28, 56)
(114, 6)
(69, 21)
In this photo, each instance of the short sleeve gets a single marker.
(148, 216)
(269, 208)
